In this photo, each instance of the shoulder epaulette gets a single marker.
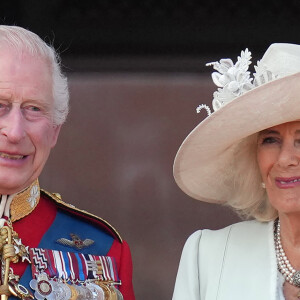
(71, 208)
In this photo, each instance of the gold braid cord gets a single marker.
(10, 285)
(8, 252)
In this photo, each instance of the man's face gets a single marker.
(27, 133)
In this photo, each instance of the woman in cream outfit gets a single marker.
(246, 154)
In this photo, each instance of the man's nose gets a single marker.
(12, 125)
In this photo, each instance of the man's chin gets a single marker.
(9, 187)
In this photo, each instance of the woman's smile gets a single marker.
(287, 182)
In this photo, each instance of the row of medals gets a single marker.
(57, 290)
(50, 289)
(46, 288)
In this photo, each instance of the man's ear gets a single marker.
(55, 133)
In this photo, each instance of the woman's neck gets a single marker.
(290, 229)
(290, 237)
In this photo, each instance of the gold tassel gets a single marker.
(7, 253)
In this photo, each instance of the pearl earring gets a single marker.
(263, 185)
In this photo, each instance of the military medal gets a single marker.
(84, 293)
(97, 291)
(61, 291)
(19, 290)
(106, 289)
(113, 293)
(119, 294)
(43, 287)
(74, 293)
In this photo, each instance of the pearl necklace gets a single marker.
(284, 266)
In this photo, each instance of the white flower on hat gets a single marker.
(262, 74)
(232, 79)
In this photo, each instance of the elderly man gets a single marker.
(49, 249)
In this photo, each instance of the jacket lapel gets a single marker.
(249, 268)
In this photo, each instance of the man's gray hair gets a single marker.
(21, 39)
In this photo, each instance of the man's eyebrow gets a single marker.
(6, 97)
(5, 93)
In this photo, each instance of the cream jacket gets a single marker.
(234, 263)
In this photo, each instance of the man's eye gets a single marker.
(4, 108)
(33, 108)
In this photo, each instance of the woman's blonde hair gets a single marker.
(249, 199)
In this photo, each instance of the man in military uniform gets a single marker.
(49, 249)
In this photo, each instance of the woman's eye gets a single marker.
(270, 140)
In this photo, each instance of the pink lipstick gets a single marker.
(287, 182)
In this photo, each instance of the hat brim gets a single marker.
(201, 161)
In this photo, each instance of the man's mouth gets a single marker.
(11, 156)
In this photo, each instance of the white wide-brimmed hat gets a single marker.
(242, 106)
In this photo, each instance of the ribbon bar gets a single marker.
(72, 266)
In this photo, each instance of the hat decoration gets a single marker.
(233, 80)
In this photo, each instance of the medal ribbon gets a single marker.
(71, 266)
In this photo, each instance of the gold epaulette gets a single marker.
(57, 199)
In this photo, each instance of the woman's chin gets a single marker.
(290, 207)
(286, 201)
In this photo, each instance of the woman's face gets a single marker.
(278, 156)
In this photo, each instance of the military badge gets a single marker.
(75, 242)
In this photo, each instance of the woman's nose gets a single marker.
(289, 155)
